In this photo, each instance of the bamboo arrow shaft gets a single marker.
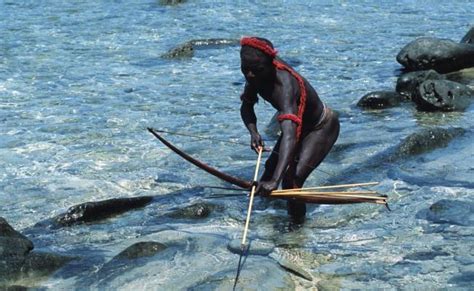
(252, 193)
(328, 187)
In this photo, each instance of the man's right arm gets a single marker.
(249, 98)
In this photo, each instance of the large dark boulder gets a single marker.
(94, 211)
(441, 55)
(469, 37)
(380, 99)
(12, 243)
(408, 84)
(427, 140)
(443, 95)
(18, 261)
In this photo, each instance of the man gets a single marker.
(309, 129)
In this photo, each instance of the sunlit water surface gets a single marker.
(81, 81)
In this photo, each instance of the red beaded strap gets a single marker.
(291, 117)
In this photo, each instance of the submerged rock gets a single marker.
(295, 269)
(256, 273)
(427, 140)
(12, 243)
(465, 77)
(408, 84)
(443, 95)
(94, 211)
(172, 2)
(450, 212)
(195, 211)
(18, 261)
(441, 55)
(141, 249)
(380, 99)
(256, 247)
(469, 37)
(186, 50)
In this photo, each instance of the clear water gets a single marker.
(81, 81)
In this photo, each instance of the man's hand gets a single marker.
(265, 188)
(256, 142)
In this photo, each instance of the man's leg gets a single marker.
(314, 148)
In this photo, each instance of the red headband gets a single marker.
(258, 44)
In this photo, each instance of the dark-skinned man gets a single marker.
(309, 129)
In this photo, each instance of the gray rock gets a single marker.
(441, 55)
(443, 95)
(469, 37)
(427, 140)
(195, 211)
(17, 261)
(450, 212)
(254, 247)
(465, 77)
(465, 279)
(171, 2)
(141, 249)
(380, 99)
(94, 211)
(186, 50)
(12, 243)
(408, 84)
(293, 268)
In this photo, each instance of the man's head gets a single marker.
(256, 58)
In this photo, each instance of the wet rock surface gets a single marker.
(443, 95)
(380, 99)
(427, 140)
(141, 249)
(408, 84)
(469, 37)
(254, 247)
(186, 50)
(453, 212)
(196, 211)
(95, 211)
(441, 55)
(18, 261)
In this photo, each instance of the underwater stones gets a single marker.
(465, 76)
(425, 256)
(442, 55)
(186, 50)
(94, 211)
(443, 95)
(17, 260)
(254, 247)
(171, 2)
(295, 269)
(380, 99)
(141, 249)
(453, 212)
(257, 273)
(469, 37)
(464, 279)
(427, 140)
(195, 211)
(407, 84)
(12, 243)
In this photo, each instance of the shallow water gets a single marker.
(79, 84)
